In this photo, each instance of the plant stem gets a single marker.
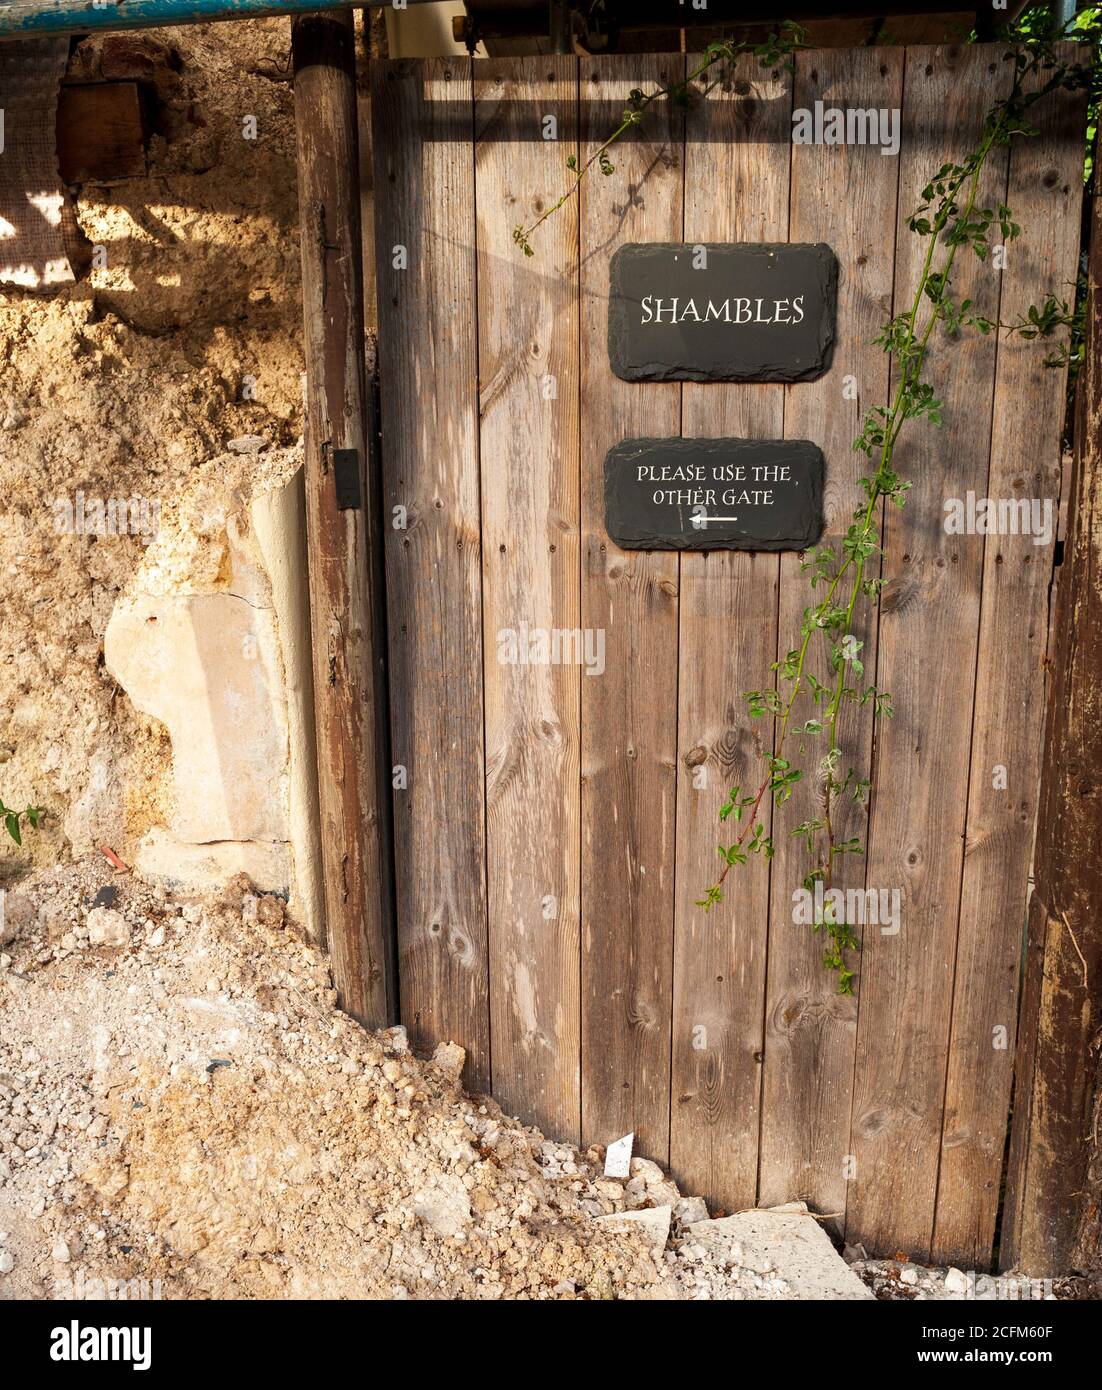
(896, 417)
(911, 370)
(772, 49)
(947, 225)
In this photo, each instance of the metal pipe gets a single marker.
(505, 20)
(559, 26)
(24, 18)
(1065, 11)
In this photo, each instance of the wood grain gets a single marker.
(528, 383)
(1045, 193)
(927, 661)
(346, 598)
(1053, 1187)
(736, 189)
(629, 713)
(598, 997)
(843, 197)
(424, 209)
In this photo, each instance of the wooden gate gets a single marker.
(553, 829)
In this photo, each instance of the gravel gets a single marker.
(184, 1111)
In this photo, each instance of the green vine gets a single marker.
(949, 220)
(774, 51)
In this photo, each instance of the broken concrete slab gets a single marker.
(785, 1242)
(653, 1223)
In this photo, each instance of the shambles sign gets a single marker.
(742, 312)
(714, 494)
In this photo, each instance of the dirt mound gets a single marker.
(181, 1102)
(185, 335)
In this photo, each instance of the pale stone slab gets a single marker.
(653, 1223)
(199, 868)
(618, 1157)
(788, 1243)
(200, 664)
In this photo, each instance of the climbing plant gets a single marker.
(774, 51)
(822, 672)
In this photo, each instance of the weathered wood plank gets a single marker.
(844, 199)
(528, 380)
(1054, 1177)
(629, 711)
(1045, 193)
(736, 188)
(100, 133)
(578, 768)
(346, 599)
(927, 661)
(424, 214)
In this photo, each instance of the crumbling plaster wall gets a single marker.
(132, 384)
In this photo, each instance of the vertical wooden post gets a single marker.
(1054, 1186)
(342, 499)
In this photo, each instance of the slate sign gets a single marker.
(714, 494)
(744, 312)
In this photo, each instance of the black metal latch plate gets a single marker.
(346, 478)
